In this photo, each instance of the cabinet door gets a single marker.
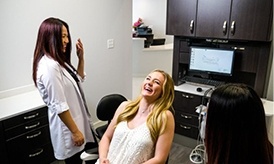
(251, 20)
(213, 18)
(3, 150)
(181, 17)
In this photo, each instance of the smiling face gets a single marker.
(65, 39)
(152, 86)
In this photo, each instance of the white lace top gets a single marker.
(130, 146)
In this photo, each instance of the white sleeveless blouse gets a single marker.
(130, 146)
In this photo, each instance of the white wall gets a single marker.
(153, 12)
(108, 70)
(147, 59)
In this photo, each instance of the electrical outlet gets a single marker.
(110, 43)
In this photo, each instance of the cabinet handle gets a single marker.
(31, 116)
(186, 117)
(225, 27)
(187, 96)
(238, 48)
(232, 28)
(37, 153)
(191, 26)
(35, 135)
(32, 126)
(185, 127)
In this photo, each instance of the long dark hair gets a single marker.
(49, 42)
(236, 128)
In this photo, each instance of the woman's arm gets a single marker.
(80, 54)
(164, 142)
(106, 139)
(77, 136)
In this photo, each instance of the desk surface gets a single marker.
(22, 103)
(191, 88)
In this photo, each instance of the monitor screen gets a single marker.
(211, 60)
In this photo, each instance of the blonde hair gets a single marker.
(157, 119)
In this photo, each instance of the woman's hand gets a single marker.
(78, 138)
(80, 54)
(79, 49)
(104, 161)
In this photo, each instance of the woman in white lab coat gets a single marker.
(59, 84)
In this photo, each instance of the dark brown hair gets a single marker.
(236, 128)
(49, 42)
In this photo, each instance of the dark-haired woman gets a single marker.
(59, 84)
(235, 127)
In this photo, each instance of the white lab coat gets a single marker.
(60, 93)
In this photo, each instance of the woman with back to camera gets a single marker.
(59, 84)
(235, 127)
(142, 131)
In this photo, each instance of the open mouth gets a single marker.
(148, 89)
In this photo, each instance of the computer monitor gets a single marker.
(211, 60)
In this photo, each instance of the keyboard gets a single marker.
(202, 81)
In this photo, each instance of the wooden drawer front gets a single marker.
(27, 127)
(41, 155)
(3, 151)
(31, 147)
(186, 118)
(23, 118)
(186, 130)
(30, 140)
(186, 102)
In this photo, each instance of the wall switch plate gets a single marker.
(110, 43)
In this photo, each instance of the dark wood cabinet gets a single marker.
(242, 25)
(251, 20)
(181, 17)
(220, 19)
(250, 61)
(187, 120)
(27, 139)
(3, 151)
(213, 18)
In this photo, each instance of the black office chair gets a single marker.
(105, 111)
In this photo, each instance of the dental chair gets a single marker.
(105, 111)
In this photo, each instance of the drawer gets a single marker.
(26, 117)
(29, 141)
(186, 130)
(186, 102)
(3, 150)
(25, 128)
(30, 146)
(186, 118)
(42, 155)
